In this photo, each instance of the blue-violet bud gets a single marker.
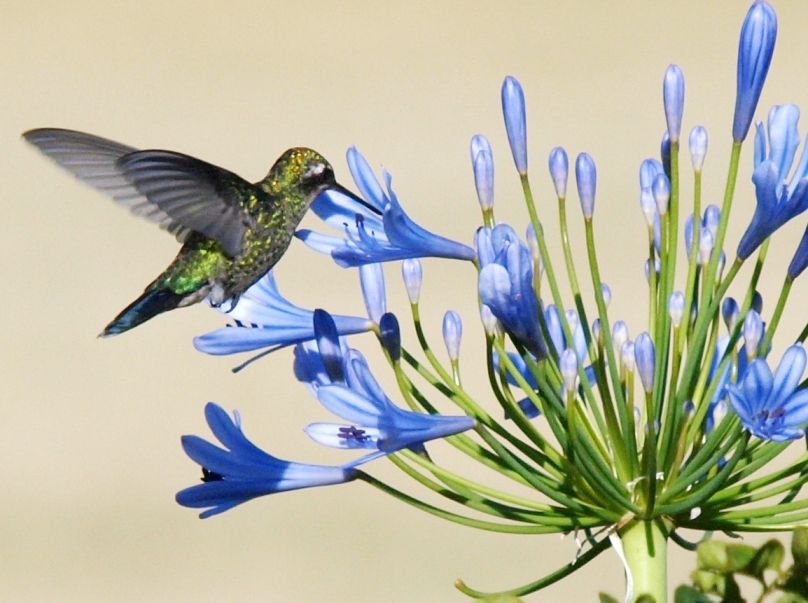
(645, 357)
(568, 366)
(698, 147)
(673, 95)
(586, 179)
(452, 333)
(413, 276)
(662, 193)
(482, 162)
(513, 109)
(676, 307)
(752, 333)
(730, 312)
(559, 171)
(390, 335)
(755, 50)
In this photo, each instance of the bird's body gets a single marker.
(232, 231)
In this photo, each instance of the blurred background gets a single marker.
(90, 428)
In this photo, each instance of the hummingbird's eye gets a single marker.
(315, 172)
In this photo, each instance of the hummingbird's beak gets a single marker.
(337, 187)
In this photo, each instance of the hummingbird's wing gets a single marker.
(93, 160)
(198, 195)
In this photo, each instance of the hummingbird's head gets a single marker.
(303, 170)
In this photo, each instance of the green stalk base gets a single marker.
(646, 547)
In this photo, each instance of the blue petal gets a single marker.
(757, 384)
(788, 375)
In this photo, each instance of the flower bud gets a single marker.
(662, 193)
(513, 109)
(645, 357)
(706, 243)
(568, 365)
(413, 277)
(452, 333)
(606, 292)
(490, 322)
(673, 95)
(559, 171)
(390, 335)
(698, 147)
(648, 206)
(665, 154)
(627, 356)
(757, 302)
(597, 335)
(755, 49)
(619, 335)
(482, 162)
(752, 333)
(730, 312)
(586, 179)
(676, 307)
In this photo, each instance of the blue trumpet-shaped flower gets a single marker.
(353, 394)
(506, 285)
(778, 198)
(241, 471)
(373, 237)
(769, 405)
(755, 49)
(263, 318)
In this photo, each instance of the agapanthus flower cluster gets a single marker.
(627, 430)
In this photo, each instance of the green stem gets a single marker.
(646, 545)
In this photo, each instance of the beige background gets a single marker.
(90, 428)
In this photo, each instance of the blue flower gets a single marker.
(506, 285)
(373, 237)
(264, 318)
(770, 406)
(241, 471)
(778, 198)
(354, 395)
(755, 49)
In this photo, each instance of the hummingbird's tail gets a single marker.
(154, 301)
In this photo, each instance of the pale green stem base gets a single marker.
(645, 544)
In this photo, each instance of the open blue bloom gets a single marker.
(506, 285)
(778, 198)
(263, 318)
(354, 395)
(241, 471)
(769, 405)
(370, 237)
(755, 49)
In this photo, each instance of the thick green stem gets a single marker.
(645, 544)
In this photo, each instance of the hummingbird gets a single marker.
(232, 231)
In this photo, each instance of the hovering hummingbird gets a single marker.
(232, 231)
